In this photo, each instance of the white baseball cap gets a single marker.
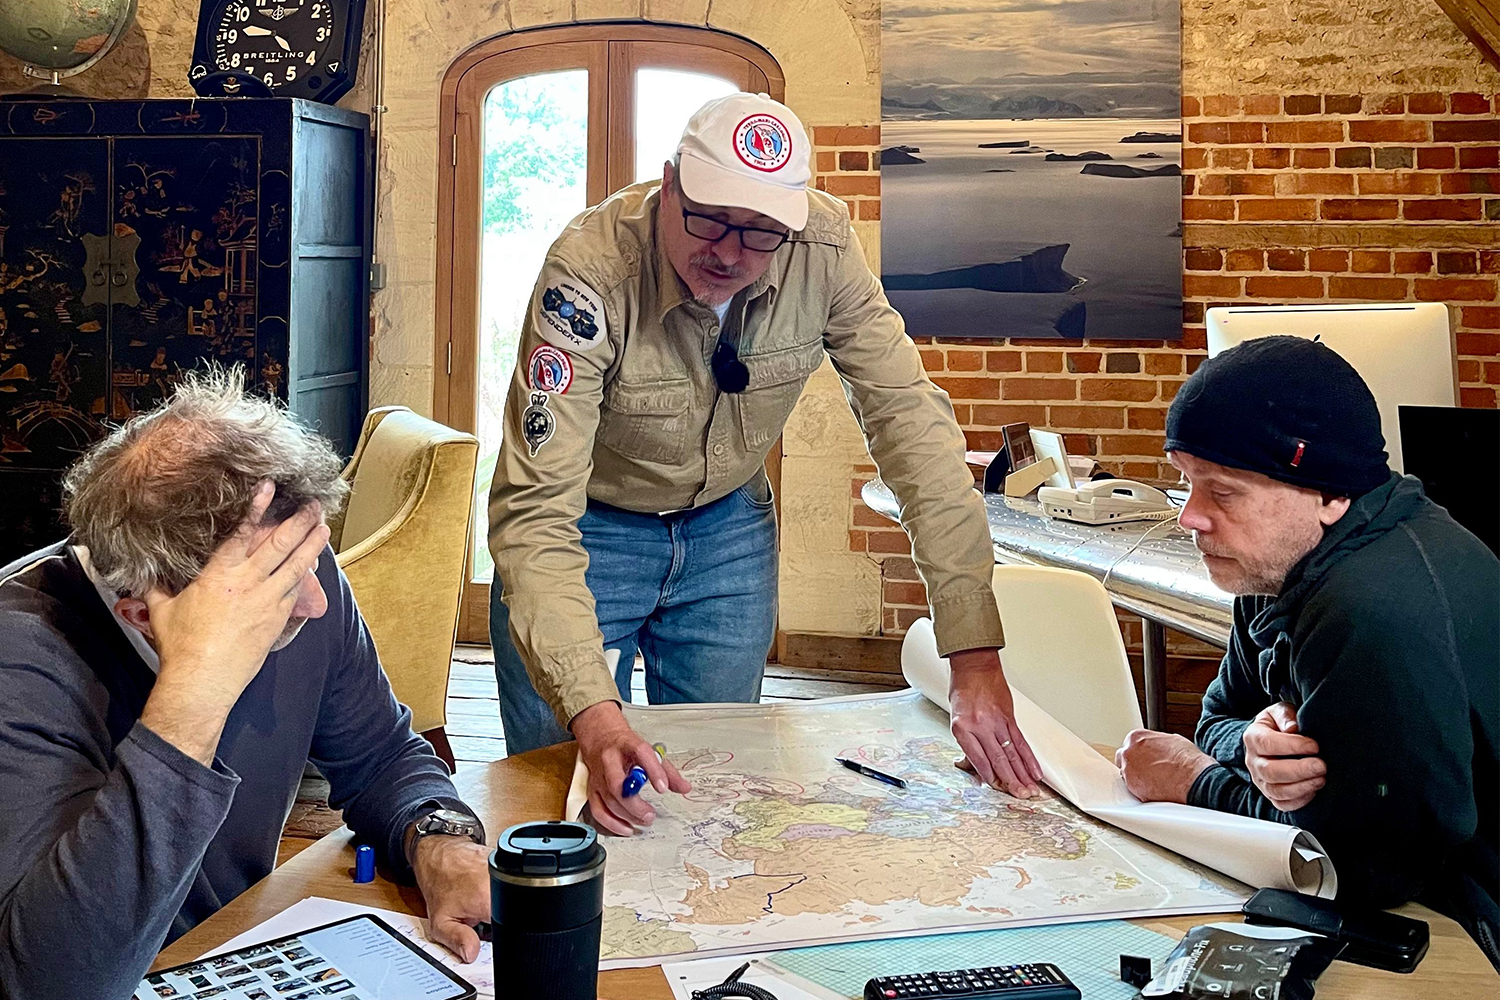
(747, 151)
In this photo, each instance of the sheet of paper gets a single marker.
(698, 974)
(315, 911)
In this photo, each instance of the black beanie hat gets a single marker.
(1285, 407)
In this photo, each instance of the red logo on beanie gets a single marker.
(1297, 458)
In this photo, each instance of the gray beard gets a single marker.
(293, 626)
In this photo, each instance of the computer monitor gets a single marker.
(1403, 350)
(1456, 454)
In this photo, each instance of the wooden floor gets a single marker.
(477, 737)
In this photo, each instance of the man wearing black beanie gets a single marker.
(1360, 695)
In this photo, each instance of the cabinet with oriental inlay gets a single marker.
(142, 239)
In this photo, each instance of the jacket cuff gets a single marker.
(967, 621)
(1205, 791)
(578, 684)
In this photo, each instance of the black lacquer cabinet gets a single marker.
(141, 239)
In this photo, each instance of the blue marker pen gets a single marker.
(636, 779)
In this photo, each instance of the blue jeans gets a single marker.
(694, 591)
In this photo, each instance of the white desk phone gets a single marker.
(1107, 501)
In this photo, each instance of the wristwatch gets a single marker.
(449, 822)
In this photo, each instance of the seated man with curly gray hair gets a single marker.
(166, 671)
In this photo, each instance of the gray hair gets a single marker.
(155, 498)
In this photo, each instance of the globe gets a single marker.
(58, 38)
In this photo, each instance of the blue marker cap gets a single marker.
(634, 782)
(364, 863)
(636, 779)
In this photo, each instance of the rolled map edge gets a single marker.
(1254, 851)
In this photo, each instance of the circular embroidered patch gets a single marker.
(762, 142)
(550, 370)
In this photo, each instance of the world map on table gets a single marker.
(777, 845)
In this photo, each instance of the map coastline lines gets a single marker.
(777, 846)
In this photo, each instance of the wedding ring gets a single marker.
(1005, 745)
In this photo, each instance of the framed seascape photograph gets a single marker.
(1031, 163)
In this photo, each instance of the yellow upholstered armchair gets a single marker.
(402, 541)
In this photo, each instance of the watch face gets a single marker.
(449, 821)
(294, 47)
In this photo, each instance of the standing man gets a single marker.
(670, 334)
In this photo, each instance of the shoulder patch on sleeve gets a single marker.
(549, 369)
(537, 423)
(571, 315)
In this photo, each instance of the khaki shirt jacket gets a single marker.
(640, 423)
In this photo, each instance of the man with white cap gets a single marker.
(670, 334)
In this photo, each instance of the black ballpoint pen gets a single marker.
(870, 772)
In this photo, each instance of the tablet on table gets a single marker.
(357, 958)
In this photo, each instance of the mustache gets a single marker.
(710, 260)
(1208, 550)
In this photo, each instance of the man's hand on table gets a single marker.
(610, 748)
(984, 723)
(454, 876)
(1282, 763)
(1161, 767)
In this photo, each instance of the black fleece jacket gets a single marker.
(1386, 637)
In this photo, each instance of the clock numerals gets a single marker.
(295, 47)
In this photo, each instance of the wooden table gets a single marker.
(533, 785)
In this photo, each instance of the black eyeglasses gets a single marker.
(706, 227)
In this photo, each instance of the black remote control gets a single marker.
(1035, 981)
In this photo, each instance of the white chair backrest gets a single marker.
(1063, 650)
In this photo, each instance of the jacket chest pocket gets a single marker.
(776, 381)
(647, 422)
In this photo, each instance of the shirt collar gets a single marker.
(110, 599)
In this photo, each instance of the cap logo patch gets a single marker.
(763, 142)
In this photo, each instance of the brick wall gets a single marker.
(847, 164)
(1287, 198)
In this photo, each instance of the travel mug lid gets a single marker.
(547, 848)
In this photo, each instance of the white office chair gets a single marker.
(1063, 650)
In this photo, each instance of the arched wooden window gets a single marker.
(536, 126)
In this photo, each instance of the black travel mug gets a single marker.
(546, 910)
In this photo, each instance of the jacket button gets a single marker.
(718, 449)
